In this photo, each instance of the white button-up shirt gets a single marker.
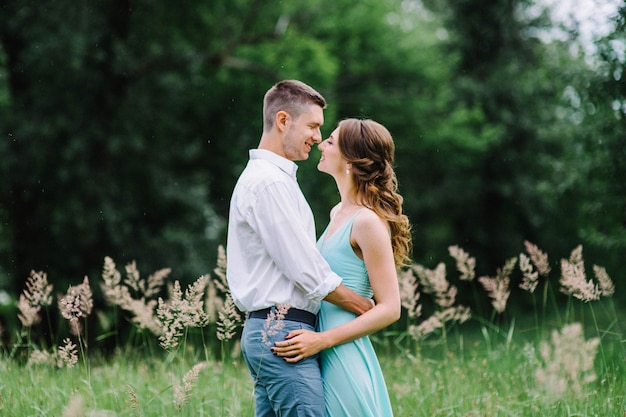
(271, 254)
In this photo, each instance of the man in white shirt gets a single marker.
(273, 261)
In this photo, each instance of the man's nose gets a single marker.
(318, 136)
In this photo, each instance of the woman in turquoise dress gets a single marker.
(367, 239)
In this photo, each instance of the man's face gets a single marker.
(302, 133)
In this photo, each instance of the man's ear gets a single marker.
(282, 120)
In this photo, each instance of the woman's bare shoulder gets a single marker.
(368, 219)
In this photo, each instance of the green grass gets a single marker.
(562, 357)
(496, 382)
(124, 386)
(465, 377)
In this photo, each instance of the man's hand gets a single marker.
(347, 299)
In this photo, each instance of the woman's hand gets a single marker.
(299, 344)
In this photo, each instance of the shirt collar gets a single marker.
(284, 164)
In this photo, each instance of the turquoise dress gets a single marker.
(353, 380)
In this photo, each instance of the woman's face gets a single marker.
(331, 161)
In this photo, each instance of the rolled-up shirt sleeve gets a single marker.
(290, 240)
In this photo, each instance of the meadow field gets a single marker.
(563, 356)
(474, 380)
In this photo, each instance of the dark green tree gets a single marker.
(125, 125)
(602, 110)
(121, 122)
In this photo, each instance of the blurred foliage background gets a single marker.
(124, 125)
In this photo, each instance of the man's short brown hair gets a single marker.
(291, 96)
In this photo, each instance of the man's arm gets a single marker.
(347, 299)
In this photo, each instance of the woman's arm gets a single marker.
(370, 237)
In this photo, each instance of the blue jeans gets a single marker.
(281, 389)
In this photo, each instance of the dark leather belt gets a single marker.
(293, 314)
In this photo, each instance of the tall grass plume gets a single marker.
(567, 361)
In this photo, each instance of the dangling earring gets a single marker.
(347, 172)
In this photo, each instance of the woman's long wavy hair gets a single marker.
(369, 147)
